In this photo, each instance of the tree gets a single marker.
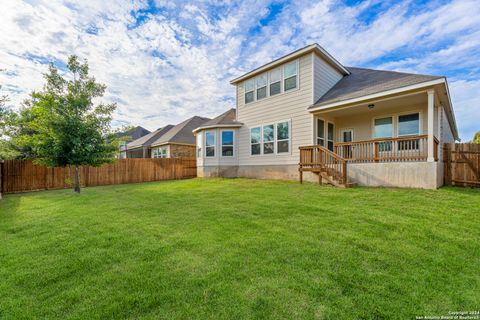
(476, 137)
(66, 128)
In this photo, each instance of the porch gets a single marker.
(395, 130)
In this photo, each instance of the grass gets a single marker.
(239, 249)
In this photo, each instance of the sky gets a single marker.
(164, 61)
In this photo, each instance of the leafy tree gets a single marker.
(66, 128)
(476, 138)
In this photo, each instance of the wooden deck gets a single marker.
(403, 149)
(332, 166)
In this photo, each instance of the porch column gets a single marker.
(430, 121)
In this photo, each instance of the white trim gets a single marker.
(313, 47)
(233, 143)
(217, 126)
(420, 123)
(343, 130)
(324, 130)
(379, 94)
(333, 138)
(392, 135)
(394, 117)
(214, 143)
(282, 83)
(275, 147)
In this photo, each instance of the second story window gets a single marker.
(262, 87)
(290, 76)
(249, 91)
(275, 82)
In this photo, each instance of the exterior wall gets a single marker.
(362, 123)
(137, 153)
(181, 151)
(424, 175)
(291, 106)
(325, 77)
(218, 159)
(217, 171)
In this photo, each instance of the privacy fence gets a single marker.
(462, 164)
(20, 176)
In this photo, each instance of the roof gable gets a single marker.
(182, 132)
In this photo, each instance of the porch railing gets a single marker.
(320, 159)
(412, 148)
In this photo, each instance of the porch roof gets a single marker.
(363, 82)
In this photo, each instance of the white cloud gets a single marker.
(176, 62)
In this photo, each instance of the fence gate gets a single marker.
(462, 164)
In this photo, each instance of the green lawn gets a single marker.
(239, 249)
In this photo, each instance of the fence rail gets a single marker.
(462, 164)
(24, 175)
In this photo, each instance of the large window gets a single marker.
(161, 152)
(255, 140)
(249, 91)
(271, 83)
(283, 137)
(270, 138)
(210, 144)
(383, 128)
(320, 132)
(409, 124)
(275, 82)
(262, 86)
(290, 76)
(227, 143)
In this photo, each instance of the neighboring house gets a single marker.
(132, 134)
(178, 142)
(168, 142)
(306, 115)
(140, 148)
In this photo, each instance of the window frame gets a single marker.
(214, 146)
(275, 140)
(280, 81)
(267, 87)
(342, 131)
(333, 135)
(160, 152)
(253, 90)
(407, 114)
(227, 145)
(316, 129)
(288, 122)
(296, 75)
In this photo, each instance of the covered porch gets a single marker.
(382, 132)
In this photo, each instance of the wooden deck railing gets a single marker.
(413, 148)
(317, 159)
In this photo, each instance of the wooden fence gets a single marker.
(462, 164)
(21, 176)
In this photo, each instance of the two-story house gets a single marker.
(306, 116)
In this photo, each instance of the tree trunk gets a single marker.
(77, 180)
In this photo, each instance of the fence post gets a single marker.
(1, 178)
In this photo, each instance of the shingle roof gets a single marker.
(134, 133)
(146, 140)
(362, 82)
(182, 132)
(227, 117)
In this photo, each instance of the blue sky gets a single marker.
(164, 61)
